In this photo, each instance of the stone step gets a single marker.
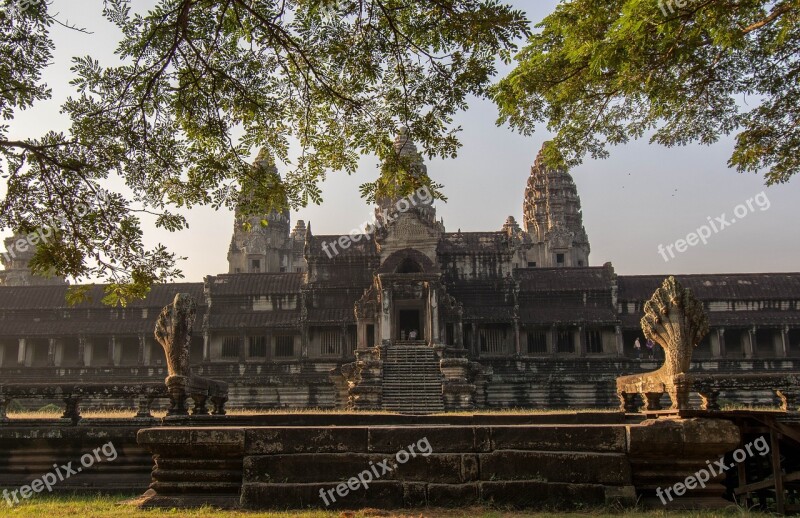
(446, 468)
(412, 379)
(396, 494)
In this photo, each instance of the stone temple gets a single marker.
(406, 316)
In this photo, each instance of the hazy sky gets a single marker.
(639, 198)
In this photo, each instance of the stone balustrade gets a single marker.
(72, 394)
(785, 385)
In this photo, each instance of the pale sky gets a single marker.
(642, 196)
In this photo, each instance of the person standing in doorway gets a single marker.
(637, 349)
(650, 345)
(412, 335)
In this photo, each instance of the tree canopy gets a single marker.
(602, 73)
(201, 85)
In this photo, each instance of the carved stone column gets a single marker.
(343, 332)
(362, 335)
(206, 347)
(433, 304)
(112, 350)
(270, 339)
(473, 345)
(620, 342)
(581, 342)
(23, 353)
(386, 315)
(783, 343)
(552, 341)
(517, 343)
(51, 352)
(304, 341)
(142, 360)
(81, 351)
(750, 344)
(721, 336)
(242, 347)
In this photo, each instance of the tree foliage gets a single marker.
(201, 84)
(600, 73)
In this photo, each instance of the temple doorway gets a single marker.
(408, 320)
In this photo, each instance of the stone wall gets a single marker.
(514, 383)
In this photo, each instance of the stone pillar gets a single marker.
(343, 329)
(89, 354)
(552, 341)
(142, 346)
(721, 339)
(361, 335)
(58, 353)
(81, 351)
(713, 338)
(112, 350)
(750, 343)
(304, 341)
(782, 343)
(386, 315)
(51, 352)
(581, 343)
(206, 346)
(517, 343)
(433, 303)
(271, 344)
(23, 353)
(459, 330)
(242, 347)
(620, 342)
(473, 345)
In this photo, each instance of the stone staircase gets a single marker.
(412, 379)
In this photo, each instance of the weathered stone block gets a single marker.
(453, 495)
(381, 494)
(536, 494)
(448, 439)
(306, 440)
(336, 467)
(561, 438)
(566, 466)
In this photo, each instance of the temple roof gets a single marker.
(564, 279)
(239, 284)
(54, 297)
(365, 246)
(744, 286)
(473, 242)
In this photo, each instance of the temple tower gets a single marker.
(16, 259)
(266, 249)
(407, 221)
(552, 212)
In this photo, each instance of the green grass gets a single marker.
(123, 507)
(53, 412)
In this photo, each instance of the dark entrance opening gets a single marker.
(408, 320)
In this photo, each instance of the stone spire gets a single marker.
(16, 259)
(270, 248)
(552, 212)
(405, 149)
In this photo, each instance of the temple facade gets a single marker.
(406, 316)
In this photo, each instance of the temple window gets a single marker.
(258, 347)
(284, 346)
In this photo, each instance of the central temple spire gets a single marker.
(552, 210)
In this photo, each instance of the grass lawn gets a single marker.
(54, 411)
(121, 507)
